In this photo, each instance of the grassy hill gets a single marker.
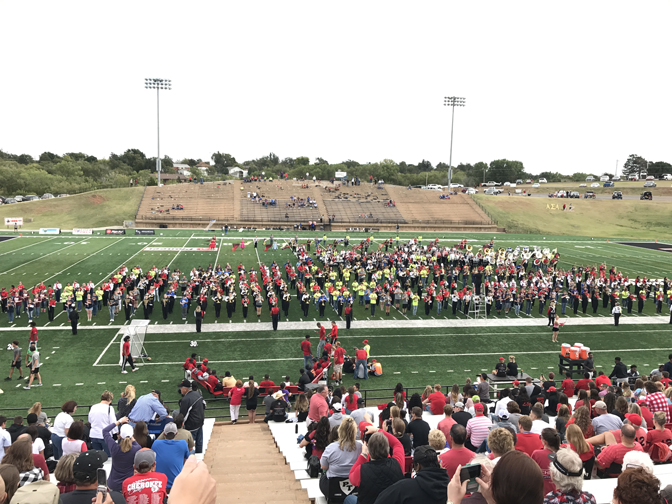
(608, 218)
(107, 207)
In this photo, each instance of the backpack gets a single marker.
(659, 453)
(314, 468)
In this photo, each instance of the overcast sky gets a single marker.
(560, 86)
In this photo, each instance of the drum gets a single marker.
(564, 349)
(583, 352)
(574, 353)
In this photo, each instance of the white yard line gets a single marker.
(218, 251)
(41, 257)
(81, 260)
(37, 243)
(127, 260)
(106, 349)
(178, 252)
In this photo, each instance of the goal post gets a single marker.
(137, 330)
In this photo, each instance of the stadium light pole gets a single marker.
(158, 84)
(452, 101)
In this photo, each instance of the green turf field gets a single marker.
(80, 367)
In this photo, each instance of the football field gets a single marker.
(414, 350)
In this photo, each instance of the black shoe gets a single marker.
(9, 378)
(20, 378)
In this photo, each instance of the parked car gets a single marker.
(617, 195)
(608, 184)
(589, 194)
(434, 187)
(471, 190)
(31, 197)
(595, 184)
(666, 176)
(493, 191)
(536, 184)
(519, 181)
(590, 178)
(650, 177)
(582, 185)
(542, 181)
(18, 198)
(561, 194)
(9, 201)
(47, 196)
(528, 181)
(2, 198)
(574, 194)
(616, 178)
(604, 178)
(646, 195)
(454, 185)
(649, 183)
(62, 195)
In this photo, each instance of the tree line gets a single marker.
(75, 172)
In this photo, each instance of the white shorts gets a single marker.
(338, 368)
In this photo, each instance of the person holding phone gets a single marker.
(89, 476)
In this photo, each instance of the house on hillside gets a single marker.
(237, 172)
(203, 167)
(177, 177)
(181, 166)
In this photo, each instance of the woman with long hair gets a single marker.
(620, 408)
(339, 457)
(610, 400)
(126, 401)
(524, 401)
(399, 389)
(20, 455)
(512, 367)
(141, 435)
(318, 437)
(415, 400)
(42, 418)
(427, 392)
(63, 473)
(11, 477)
(561, 420)
(556, 325)
(251, 401)
(62, 424)
(236, 395)
(123, 453)
(455, 395)
(301, 407)
(467, 387)
(563, 400)
(583, 448)
(73, 441)
(581, 418)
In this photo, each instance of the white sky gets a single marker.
(560, 86)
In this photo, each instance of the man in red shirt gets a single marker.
(568, 385)
(266, 383)
(602, 378)
(360, 360)
(613, 454)
(458, 454)
(334, 332)
(33, 334)
(307, 354)
(318, 404)
(275, 316)
(658, 435)
(526, 441)
(126, 357)
(146, 486)
(435, 401)
(447, 423)
(323, 339)
(339, 358)
(582, 384)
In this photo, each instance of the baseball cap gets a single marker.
(503, 414)
(516, 383)
(552, 389)
(634, 419)
(205, 361)
(424, 455)
(185, 383)
(478, 408)
(156, 391)
(459, 404)
(87, 463)
(502, 359)
(170, 428)
(600, 405)
(144, 456)
(336, 406)
(126, 431)
(366, 341)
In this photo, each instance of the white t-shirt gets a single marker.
(38, 446)
(100, 416)
(62, 421)
(5, 441)
(73, 446)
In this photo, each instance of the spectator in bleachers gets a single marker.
(504, 399)
(429, 485)
(316, 439)
(337, 417)
(318, 404)
(526, 441)
(577, 443)
(42, 418)
(610, 458)
(146, 485)
(447, 422)
(16, 429)
(460, 415)
(266, 383)
(73, 442)
(435, 401)
(656, 400)
(504, 422)
(537, 415)
(122, 453)
(524, 401)
(477, 428)
(566, 472)
(561, 420)
(171, 453)
(100, 416)
(9, 474)
(126, 402)
(192, 407)
(399, 431)
(551, 444)
(581, 417)
(63, 473)
(85, 472)
(660, 434)
(339, 457)
(20, 455)
(500, 441)
(182, 433)
(141, 435)
(638, 459)
(637, 486)
(605, 421)
(437, 440)
(514, 413)
(376, 470)
(458, 454)
(350, 400)
(62, 423)
(418, 429)
(236, 397)
(147, 407)
(228, 380)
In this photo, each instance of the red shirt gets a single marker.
(305, 346)
(528, 443)
(585, 456)
(665, 381)
(361, 355)
(455, 457)
(236, 394)
(275, 310)
(339, 353)
(437, 401)
(147, 488)
(656, 436)
(582, 384)
(640, 436)
(615, 453)
(568, 387)
(602, 379)
(213, 380)
(444, 426)
(541, 458)
(33, 334)
(351, 402)
(323, 333)
(334, 332)
(647, 416)
(126, 350)
(267, 383)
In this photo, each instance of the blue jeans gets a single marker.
(111, 308)
(307, 362)
(10, 314)
(197, 434)
(350, 499)
(56, 442)
(100, 444)
(320, 348)
(415, 309)
(361, 362)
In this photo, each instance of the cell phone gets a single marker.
(102, 482)
(470, 473)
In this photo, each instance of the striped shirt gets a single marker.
(478, 429)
